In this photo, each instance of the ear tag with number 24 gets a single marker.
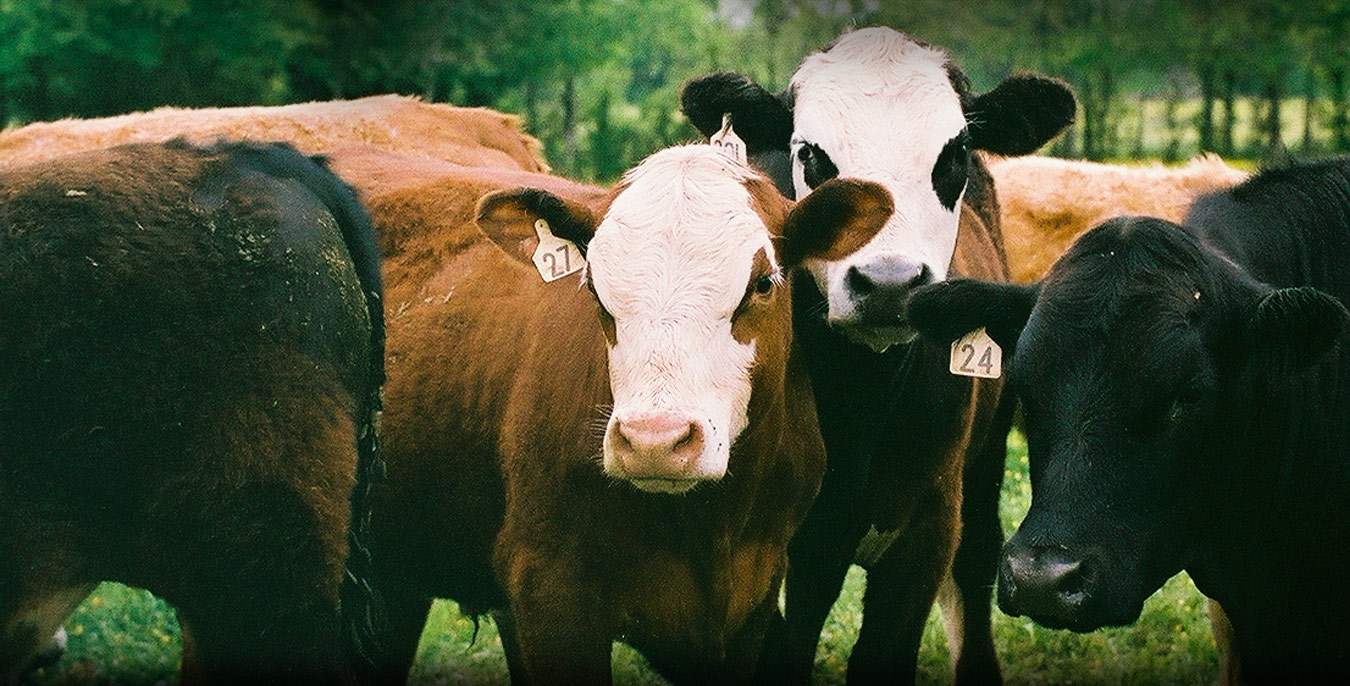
(728, 141)
(555, 257)
(976, 354)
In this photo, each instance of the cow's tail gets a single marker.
(362, 608)
(362, 612)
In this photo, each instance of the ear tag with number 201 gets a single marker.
(727, 140)
(976, 354)
(555, 257)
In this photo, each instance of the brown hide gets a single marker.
(495, 405)
(474, 137)
(1047, 202)
(179, 406)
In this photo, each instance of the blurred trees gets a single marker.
(598, 80)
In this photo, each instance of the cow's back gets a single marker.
(1046, 202)
(165, 259)
(476, 137)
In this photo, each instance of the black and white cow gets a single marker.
(899, 429)
(1186, 397)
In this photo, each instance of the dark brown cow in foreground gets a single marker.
(618, 454)
(190, 361)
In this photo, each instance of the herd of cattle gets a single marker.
(301, 397)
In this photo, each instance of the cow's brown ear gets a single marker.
(833, 221)
(509, 219)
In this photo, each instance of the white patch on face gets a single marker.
(670, 262)
(882, 107)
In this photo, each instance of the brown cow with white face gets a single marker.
(512, 486)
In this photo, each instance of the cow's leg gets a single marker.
(395, 649)
(506, 631)
(813, 583)
(966, 597)
(31, 612)
(250, 543)
(1230, 663)
(557, 636)
(38, 556)
(745, 648)
(51, 653)
(901, 588)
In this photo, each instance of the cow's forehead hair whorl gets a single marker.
(871, 85)
(691, 196)
(873, 52)
(682, 228)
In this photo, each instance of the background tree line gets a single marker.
(598, 80)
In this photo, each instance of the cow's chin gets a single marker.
(878, 338)
(667, 486)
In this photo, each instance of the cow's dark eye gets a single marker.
(817, 167)
(951, 170)
(764, 285)
(1183, 403)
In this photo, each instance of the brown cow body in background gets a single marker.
(189, 370)
(1047, 202)
(497, 496)
(470, 136)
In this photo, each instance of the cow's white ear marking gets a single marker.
(555, 257)
(976, 354)
(727, 140)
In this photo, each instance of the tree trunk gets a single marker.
(1206, 124)
(1309, 98)
(39, 99)
(1229, 99)
(1097, 134)
(569, 124)
(1339, 118)
(1274, 91)
(1089, 119)
(1174, 126)
(531, 107)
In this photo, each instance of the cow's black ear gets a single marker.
(1303, 322)
(510, 218)
(1021, 114)
(761, 119)
(947, 310)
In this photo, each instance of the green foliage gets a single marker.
(598, 80)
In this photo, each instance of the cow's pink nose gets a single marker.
(657, 446)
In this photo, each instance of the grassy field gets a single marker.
(126, 636)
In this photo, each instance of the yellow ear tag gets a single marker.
(976, 354)
(555, 257)
(727, 140)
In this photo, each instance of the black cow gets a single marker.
(191, 352)
(1186, 397)
(899, 429)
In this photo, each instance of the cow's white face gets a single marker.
(879, 106)
(678, 255)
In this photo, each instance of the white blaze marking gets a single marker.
(882, 107)
(671, 261)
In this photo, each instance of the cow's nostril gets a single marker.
(687, 439)
(924, 277)
(858, 282)
(1073, 581)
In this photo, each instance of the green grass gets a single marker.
(125, 636)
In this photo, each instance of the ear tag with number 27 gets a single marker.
(555, 257)
(976, 354)
(728, 141)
